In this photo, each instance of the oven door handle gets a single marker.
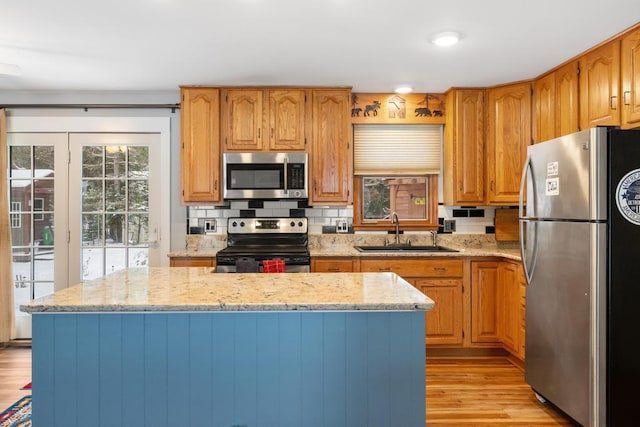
(286, 177)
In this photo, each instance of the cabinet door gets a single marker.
(331, 147)
(484, 302)
(242, 120)
(200, 151)
(522, 313)
(287, 120)
(599, 86)
(192, 262)
(630, 65)
(332, 265)
(444, 321)
(509, 134)
(464, 148)
(544, 99)
(509, 310)
(566, 93)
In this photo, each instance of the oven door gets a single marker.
(265, 175)
(287, 268)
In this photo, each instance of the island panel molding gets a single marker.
(228, 368)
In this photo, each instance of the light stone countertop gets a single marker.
(199, 289)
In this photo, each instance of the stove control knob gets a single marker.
(300, 224)
(293, 223)
(234, 224)
(242, 224)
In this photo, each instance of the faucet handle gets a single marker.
(386, 241)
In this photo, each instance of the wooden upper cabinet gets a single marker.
(599, 86)
(508, 135)
(331, 165)
(630, 66)
(464, 148)
(544, 96)
(264, 119)
(287, 118)
(242, 118)
(200, 151)
(566, 93)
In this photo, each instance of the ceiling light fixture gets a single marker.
(404, 89)
(10, 69)
(445, 38)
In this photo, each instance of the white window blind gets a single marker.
(397, 149)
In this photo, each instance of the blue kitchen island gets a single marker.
(187, 347)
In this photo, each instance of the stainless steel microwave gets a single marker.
(265, 176)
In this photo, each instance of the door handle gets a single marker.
(613, 102)
(626, 97)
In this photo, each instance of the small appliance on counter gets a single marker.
(253, 241)
(580, 237)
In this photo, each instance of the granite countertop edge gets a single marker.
(244, 308)
(349, 251)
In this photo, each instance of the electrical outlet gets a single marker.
(342, 226)
(209, 225)
(449, 225)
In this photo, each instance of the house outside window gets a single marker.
(16, 218)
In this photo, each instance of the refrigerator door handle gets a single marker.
(528, 269)
(527, 171)
(523, 180)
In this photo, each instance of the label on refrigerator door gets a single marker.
(628, 196)
(552, 187)
(552, 169)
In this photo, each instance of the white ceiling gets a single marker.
(372, 45)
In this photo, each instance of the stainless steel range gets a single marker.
(250, 241)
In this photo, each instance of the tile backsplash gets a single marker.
(468, 220)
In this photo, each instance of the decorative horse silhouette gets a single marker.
(371, 108)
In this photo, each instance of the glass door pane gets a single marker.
(114, 201)
(37, 178)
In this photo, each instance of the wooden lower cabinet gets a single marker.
(332, 265)
(444, 322)
(192, 262)
(484, 302)
(509, 309)
(522, 310)
(478, 304)
(442, 281)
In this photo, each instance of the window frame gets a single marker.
(431, 223)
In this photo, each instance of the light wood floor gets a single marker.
(483, 392)
(15, 373)
(460, 392)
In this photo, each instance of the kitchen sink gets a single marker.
(404, 248)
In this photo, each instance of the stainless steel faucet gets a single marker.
(396, 221)
(434, 236)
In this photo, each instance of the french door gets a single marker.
(82, 205)
(38, 216)
(112, 203)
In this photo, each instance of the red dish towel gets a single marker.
(273, 266)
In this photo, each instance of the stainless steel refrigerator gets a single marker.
(580, 241)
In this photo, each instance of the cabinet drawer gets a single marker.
(414, 267)
(426, 283)
(332, 265)
(192, 262)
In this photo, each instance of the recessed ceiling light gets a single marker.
(10, 69)
(404, 89)
(445, 38)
